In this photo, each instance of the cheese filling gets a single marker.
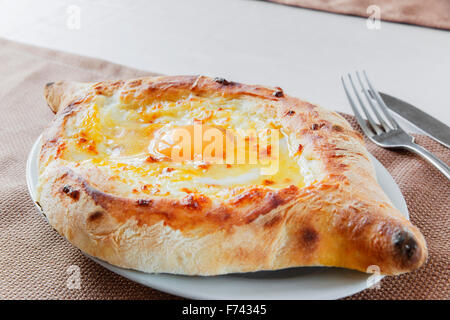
(156, 149)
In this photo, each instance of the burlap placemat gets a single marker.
(430, 13)
(35, 261)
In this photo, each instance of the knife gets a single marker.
(431, 126)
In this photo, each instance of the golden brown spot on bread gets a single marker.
(273, 221)
(279, 93)
(117, 83)
(72, 105)
(71, 192)
(337, 155)
(407, 250)
(193, 201)
(337, 128)
(267, 182)
(144, 202)
(60, 149)
(308, 238)
(92, 148)
(151, 159)
(95, 216)
(223, 81)
(290, 113)
(220, 214)
(66, 110)
(270, 202)
(248, 196)
(309, 235)
(135, 83)
(317, 126)
(299, 149)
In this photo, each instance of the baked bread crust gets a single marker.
(344, 219)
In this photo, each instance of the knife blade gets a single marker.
(431, 126)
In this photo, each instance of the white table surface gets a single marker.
(303, 51)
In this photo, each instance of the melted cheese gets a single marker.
(133, 146)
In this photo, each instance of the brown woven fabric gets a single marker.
(430, 13)
(34, 259)
(427, 194)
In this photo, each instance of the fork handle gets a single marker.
(431, 158)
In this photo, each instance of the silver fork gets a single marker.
(385, 132)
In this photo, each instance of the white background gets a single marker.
(303, 51)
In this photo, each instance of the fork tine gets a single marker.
(363, 107)
(381, 103)
(383, 123)
(358, 117)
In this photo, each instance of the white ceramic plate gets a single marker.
(294, 283)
